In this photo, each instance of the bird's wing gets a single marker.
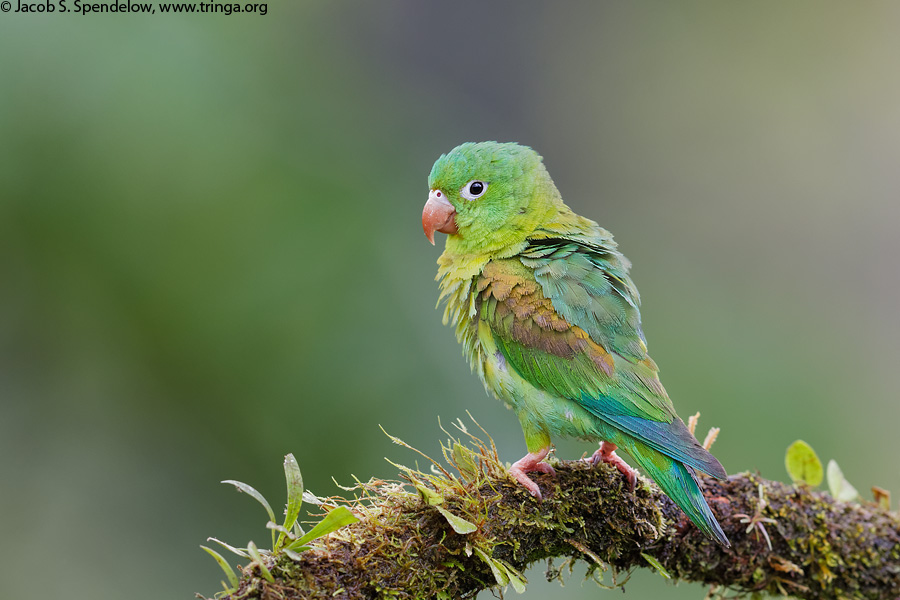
(565, 316)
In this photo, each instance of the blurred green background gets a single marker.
(211, 251)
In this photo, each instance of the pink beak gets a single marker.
(438, 215)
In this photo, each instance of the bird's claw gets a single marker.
(545, 468)
(526, 482)
(531, 462)
(607, 453)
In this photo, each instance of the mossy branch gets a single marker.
(786, 540)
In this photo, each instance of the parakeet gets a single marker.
(547, 314)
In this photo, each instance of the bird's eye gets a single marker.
(473, 189)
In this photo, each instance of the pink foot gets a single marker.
(607, 453)
(531, 462)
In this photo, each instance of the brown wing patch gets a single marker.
(519, 310)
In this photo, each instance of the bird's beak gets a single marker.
(438, 215)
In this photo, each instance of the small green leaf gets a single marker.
(802, 464)
(253, 551)
(243, 487)
(497, 569)
(465, 461)
(503, 573)
(518, 583)
(229, 547)
(295, 554)
(840, 488)
(429, 496)
(229, 571)
(337, 518)
(516, 579)
(294, 496)
(458, 524)
(656, 565)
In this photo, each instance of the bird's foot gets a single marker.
(531, 462)
(607, 453)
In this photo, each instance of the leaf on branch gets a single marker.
(337, 518)
(458, 524)
(656, 565)
(429, 496)
(504, 573)
(840, 488)
(251, 491)
(240, 552)
(227, 568)
(294, 496)
(803, 465)
(465, 460)
(253, 551)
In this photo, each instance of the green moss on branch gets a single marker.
(406, 547)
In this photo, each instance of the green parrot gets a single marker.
(549, 318)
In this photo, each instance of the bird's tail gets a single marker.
(679, 482)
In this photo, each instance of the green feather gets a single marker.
(679, 482)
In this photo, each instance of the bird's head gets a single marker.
(487, 196)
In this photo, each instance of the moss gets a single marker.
(405, 548)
